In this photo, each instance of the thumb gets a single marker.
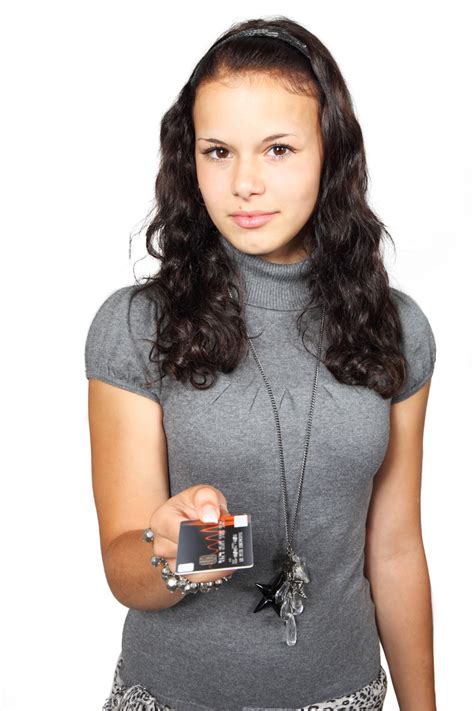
(208, 504)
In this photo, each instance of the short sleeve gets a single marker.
(418, 345)
(119, 342)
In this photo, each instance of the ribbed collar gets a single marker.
(269, 285)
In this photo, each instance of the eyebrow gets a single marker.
(268, 138)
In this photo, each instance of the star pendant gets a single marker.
(269, 592)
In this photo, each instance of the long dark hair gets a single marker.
(200, 327)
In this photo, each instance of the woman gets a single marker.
(266, 351)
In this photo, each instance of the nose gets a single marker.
(247, 179)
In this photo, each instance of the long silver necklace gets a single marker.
(285, 591)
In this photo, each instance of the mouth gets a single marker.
(252, 219)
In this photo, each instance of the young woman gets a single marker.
(268, 351)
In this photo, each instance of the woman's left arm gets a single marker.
(395, 562)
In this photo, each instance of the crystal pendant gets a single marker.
(282, 592)
(285, 592)
(300, 569)
(291, 592)
(286, 609)
(297, 604)
(290, 631)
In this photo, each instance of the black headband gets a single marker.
(268, 31)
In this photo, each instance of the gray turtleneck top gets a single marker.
(212, 652)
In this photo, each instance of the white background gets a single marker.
(84, 86)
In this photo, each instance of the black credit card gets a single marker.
(224, 545)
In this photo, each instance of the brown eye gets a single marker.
(207, 153)
(215, 148)
(280, 155)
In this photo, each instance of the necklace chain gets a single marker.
(289, 537)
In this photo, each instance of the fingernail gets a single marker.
(209, 514)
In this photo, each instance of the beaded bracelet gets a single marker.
(175, 581)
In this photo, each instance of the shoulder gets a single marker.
(409, 309)
(124, 319)
(123, 304)
(418, 343)
(119, 341)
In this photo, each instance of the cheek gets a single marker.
(298, 184)
(211, 187)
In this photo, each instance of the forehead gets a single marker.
(252, 100)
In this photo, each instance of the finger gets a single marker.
(167, 521)
(208, 501)
(164, 548)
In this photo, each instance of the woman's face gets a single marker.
(240, 169)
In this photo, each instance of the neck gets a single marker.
(271, 285)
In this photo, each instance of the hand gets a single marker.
(203, 502)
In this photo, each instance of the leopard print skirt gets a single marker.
(136, 698)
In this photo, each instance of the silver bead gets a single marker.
(171, 583)
(190, 587)
(148, 535)
(206, 587)
(156, 560)
(166, 572)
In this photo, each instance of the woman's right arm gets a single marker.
(130, 481)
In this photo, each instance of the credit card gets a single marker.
(225, 545)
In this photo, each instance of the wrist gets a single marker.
(174, 581)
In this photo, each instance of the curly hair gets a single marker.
(200, 326)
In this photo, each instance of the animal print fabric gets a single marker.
(136, 698)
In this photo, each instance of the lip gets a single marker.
(252, 219)
(253, 213)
